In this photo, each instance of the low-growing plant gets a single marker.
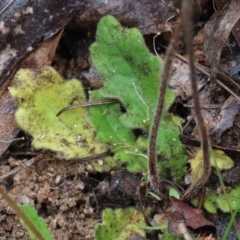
(214, 201)
(223, 163)
(40, 96)
(131, 75)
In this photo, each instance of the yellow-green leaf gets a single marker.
(223, 162)
(40, 96)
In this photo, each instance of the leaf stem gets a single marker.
(154, 131)
(187, 15)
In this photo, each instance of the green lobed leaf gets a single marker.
(131, 74)
(223, 161)
(40, 96)
(120, 224)
(37, 221)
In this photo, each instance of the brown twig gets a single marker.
(27, 164)
(195, 143)
(207, 106)
(87, 104)
(207, 71)
(90, 158)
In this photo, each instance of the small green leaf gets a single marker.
(37, 221)
(169, 236)
(174, 193)
(233, 196)
(120, 224)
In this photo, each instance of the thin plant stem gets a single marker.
(27, 164)
(232, 219)
(87, 104)
(90, 158)
(206, 165)
(155, 181)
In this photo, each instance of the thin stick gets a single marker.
(195, 143)
(13, 140)
(152, 148)
(8, 4)
(206, 166)
(87, 104)
(88, 159)
(202, 70)
(228, 90)
(27, 164)
(208, 106)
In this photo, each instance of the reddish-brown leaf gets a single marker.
(193, 217)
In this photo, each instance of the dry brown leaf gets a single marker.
(217, 30)
(180, 79)
(23, 24)
(236, 29)
(192, 216)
